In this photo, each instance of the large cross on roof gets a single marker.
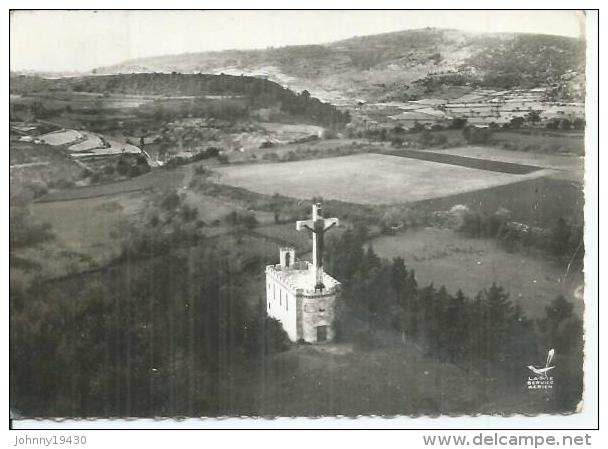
(318, 226)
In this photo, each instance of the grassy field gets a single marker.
(89, 224)
(364, 179)
(392, 380)
(443, 257)
(87, 233)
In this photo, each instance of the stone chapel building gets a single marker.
(300, 294)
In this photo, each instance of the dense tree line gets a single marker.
(162, 338)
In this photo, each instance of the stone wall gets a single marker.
(317, 311)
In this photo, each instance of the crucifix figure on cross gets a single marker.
(318, 226)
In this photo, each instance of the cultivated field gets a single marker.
(568, 163)
(466, 161)
(443, 257)
(365, 179)
(62, 137)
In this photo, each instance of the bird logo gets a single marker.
(542, 372)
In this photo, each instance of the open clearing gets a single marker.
(365, 179)
(443, 257)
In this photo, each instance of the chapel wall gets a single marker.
(281, 304)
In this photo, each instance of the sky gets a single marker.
(83, 40)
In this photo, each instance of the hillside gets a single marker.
(395, 66)
(219, 96)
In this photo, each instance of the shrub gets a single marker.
(270, 157)
(578, 124)
(565, 124)
(458, 123)
(26, 231)
(476, 135)
(266, 144)
(212, 152)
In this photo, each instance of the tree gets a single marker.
(122, 166)
(559, 238)
(533, 117)
(498, 314)
(275, 207)
(458, 123)
(418, 127)
(472, 223)
(399, 130)
(563, 331)
(516, 122)
(578, 124)
(170, 201)
(555, 313)
(398, 275)
(476, 134)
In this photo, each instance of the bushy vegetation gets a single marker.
(167, 222)
(528, 61)
(562, 240)
(25, 230)
(313, 153)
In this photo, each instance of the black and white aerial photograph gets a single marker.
(297, 213)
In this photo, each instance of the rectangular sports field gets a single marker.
(365, 178)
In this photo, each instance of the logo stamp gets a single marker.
(541, 380)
